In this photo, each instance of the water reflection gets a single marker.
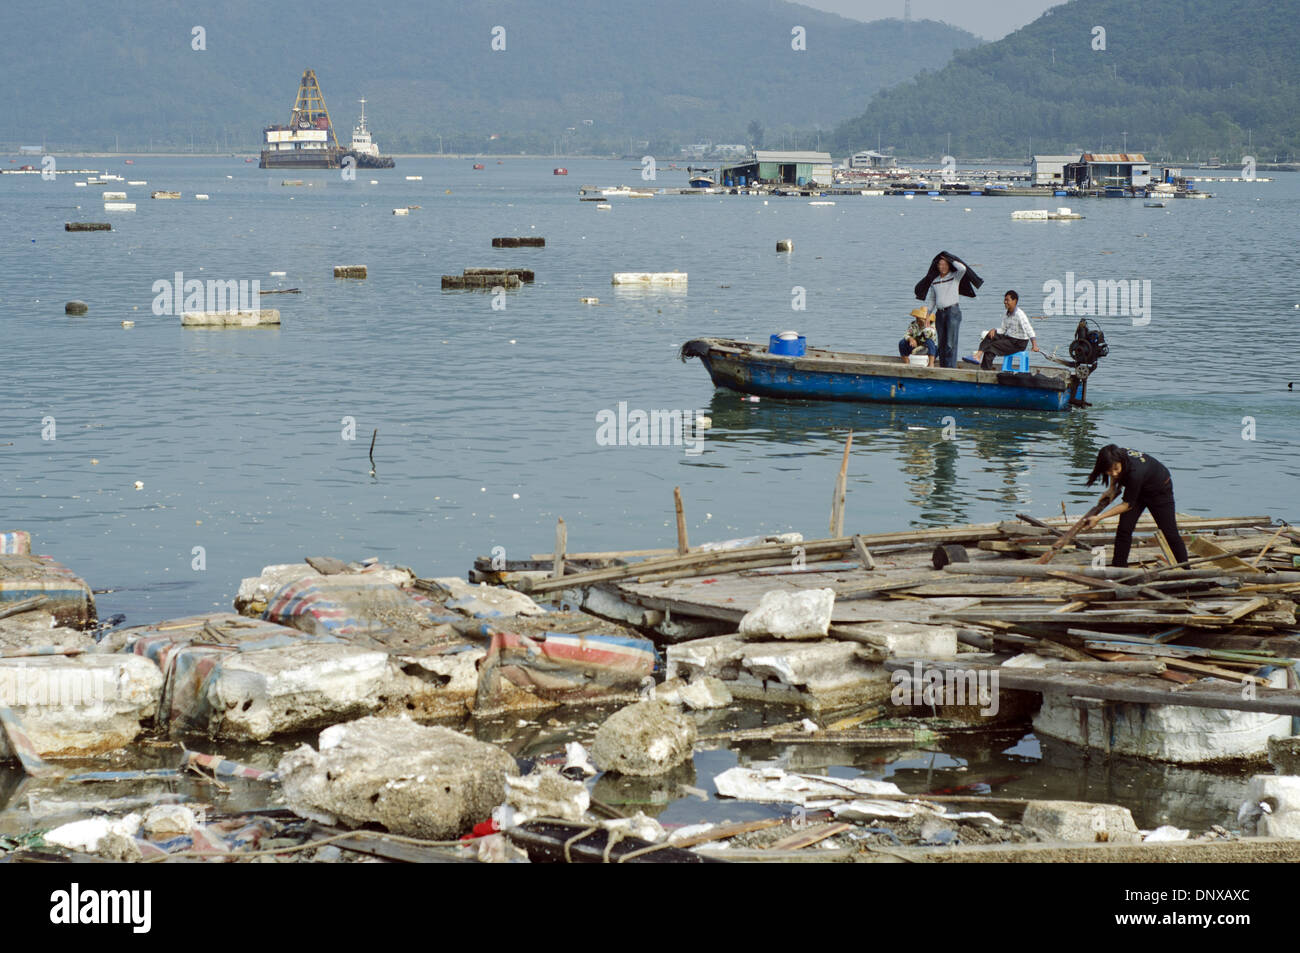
(951, 459)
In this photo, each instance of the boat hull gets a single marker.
(304, 159)
(821, 375)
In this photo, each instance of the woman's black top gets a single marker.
(1143, 475)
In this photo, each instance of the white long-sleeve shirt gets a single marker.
(943, 290)
(1016, 325)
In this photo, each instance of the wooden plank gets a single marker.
(725, 831)
(1242, 611)
(807, 838)
(1116, 617)
(1201, 668)
(1129, 688)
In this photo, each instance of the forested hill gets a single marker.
(1183, 78)
(577, 73)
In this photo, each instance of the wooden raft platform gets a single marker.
(1198, 634)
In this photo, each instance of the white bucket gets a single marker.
(919, 360)
(788, 336)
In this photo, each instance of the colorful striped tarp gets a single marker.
(190, 652)
(362, 611)
(68, 598)
(15, 543)
(560, 663)
(22, 746)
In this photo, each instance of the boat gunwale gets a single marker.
(879, 365)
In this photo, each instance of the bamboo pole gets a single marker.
(841, 487)
(683, 546)
(1268, 545)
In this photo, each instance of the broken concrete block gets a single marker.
(704, 692)
(1284, 755)
(165, 821)
(644, 739)
(903, 639)
(1272, 806)
(815, 675)
(78, 705)
(428, 782)
(364, 609)
(256, 695)
(783, 614)
(434, 686)
(485, 602)
(1164, 732)
(67, 597)
(543, 793)
(249, 679)
(1081, 822)
(38, 630)
(255, 592)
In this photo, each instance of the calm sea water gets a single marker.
(487, 419)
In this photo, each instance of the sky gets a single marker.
(989, 19)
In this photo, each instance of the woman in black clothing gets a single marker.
(1147, 486)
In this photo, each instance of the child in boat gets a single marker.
(921, 337)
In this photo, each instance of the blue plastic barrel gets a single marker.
(794, 348)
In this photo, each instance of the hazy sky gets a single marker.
(990, 19)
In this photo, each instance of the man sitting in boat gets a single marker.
(1015, 335)
(920, 338)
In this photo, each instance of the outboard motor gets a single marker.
(1089, 345)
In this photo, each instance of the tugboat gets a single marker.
(363, 148)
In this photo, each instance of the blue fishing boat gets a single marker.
(876, 378)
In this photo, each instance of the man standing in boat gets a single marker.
(1147, 485)
(947, 278)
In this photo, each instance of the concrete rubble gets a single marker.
(79, 704)
(366, 654)
(1272, 806)
(820, 675)
(1081, 822)
(790, 615)
(644, 739)
(428, 782)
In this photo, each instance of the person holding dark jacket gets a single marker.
(947, 278)
(1147, 485)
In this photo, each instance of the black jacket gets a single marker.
(969, 281)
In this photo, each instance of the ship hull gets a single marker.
(317, 159)
(365, 161)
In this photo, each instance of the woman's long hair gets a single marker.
(1107, 457)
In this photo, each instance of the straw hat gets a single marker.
(919, 313)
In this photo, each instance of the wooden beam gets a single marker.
(561, 545)
(1127, 688)
(864, 554)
